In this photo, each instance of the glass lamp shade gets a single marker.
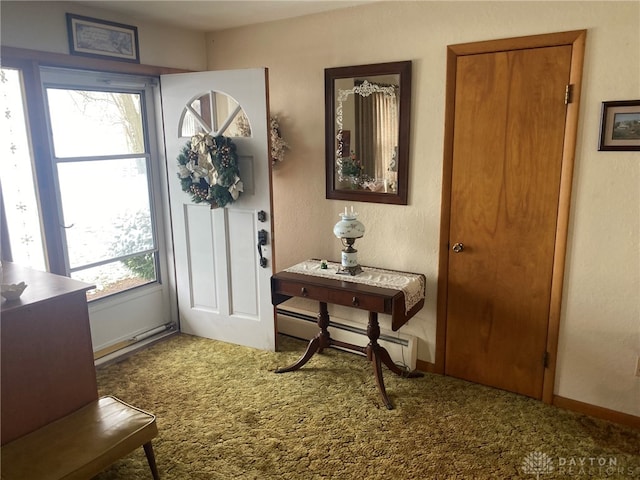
(349, 226)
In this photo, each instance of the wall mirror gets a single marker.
(367, 123)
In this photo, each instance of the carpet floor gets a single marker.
(222, 413)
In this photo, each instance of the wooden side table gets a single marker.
(342, 290)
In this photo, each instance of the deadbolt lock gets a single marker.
(458, 247)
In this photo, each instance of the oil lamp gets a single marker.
(348, 229)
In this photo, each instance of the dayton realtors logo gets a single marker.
(539, 463)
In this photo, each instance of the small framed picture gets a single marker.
(620, 125)
(102, 39)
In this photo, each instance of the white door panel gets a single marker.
(223, 292)
(201, 285)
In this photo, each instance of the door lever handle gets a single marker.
(262, 240)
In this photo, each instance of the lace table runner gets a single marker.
(412, 285)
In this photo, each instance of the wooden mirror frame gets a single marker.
(403, 70)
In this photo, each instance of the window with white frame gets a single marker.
(101, 156)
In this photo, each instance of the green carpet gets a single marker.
(223, 414)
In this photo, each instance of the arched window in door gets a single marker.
(215, 113)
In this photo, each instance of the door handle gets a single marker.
(458, 247)
(262, 240)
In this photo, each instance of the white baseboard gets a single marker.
(302, 324)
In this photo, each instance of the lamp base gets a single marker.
(350, 270)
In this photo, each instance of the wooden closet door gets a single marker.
(509, 128)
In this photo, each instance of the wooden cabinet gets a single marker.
(47, 368)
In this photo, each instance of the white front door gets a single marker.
(223, 291)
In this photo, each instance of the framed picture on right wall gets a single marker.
(620, 125)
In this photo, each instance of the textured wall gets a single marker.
(600, 332)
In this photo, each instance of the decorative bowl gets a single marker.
(12, 291)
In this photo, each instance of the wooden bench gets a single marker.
(81, 444)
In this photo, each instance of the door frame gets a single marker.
(576, 39)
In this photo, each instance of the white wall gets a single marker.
(600, 331)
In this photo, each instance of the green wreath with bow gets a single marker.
(208, 170)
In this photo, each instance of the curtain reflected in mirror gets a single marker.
(367, 108)
(377, 139)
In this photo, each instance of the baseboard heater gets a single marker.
(125, 346)
(401, 347)
(153, 332)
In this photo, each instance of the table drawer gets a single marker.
(296, 289)
(371, 303)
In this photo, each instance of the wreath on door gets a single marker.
(208, 170)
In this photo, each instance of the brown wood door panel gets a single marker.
(507, 155)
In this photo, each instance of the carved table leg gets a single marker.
(317, 344)
(378, 355)
(323, 323)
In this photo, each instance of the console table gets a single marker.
(399, 294)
